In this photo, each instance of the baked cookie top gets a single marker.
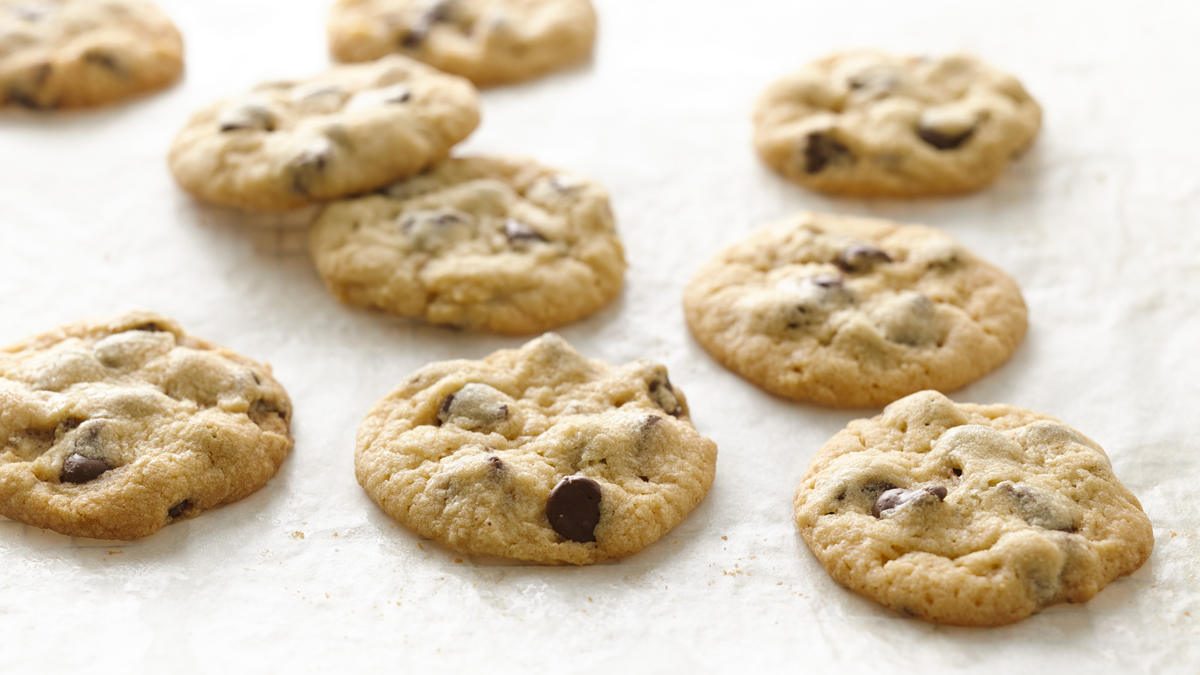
(353, 129)
(875, 125)
(849, 311)
(112, 429)
(74, 53)
(489, 42)
(504, 245)
(536, 454)
(968, 514)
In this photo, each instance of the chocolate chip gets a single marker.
(89, 434)
(149, 328)
(860, 258)
(900, 496)
(827, 280)
(252, 115)
(444, 410)
(310, 164)
(663, 394)
(79, 469)
(496, 462)
(178, 509)
(440, 11)
(520, 233)
(574, 508)
(821, 149)
(261, 411)
(106, 61)
(944, 141)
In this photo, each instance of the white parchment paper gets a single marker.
(1099, 223)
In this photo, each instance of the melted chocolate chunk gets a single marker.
(79, 469)
(861, 258)
(820, 149)
(260, 411)
(444, 410)
(178, 509)
(440, 11)
(900, 496)
(106, 61)
(574, 508)
(520, 233)
(310, 164)
(150, 327)
(944, 141)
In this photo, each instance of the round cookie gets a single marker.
(75, 53)
(969, 515)
(113, 429)
(536, 454)
(489, 42)
(874, 125)
(502, 245)
(353, 129)
(849, 311)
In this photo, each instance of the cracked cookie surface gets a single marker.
(504, 245)
(849, 311)
(112, 429)
(489, 42)
(355, 128)
(876, 125)
(536, 454)
(77, 53)
(973, 515)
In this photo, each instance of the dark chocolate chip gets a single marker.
(79, 469)
(440, 11)
(957, 472)
(520, 233)
(820, 149)
(645, 479)
(310, 164)
(827, 280)
(900, 496)
(444, 411)
(496, 462)
(860, 258)
(260, 411)
(178, 509)
(574, 508)
(150, 327)
(106, 61)
(944, 141)
(662, 393)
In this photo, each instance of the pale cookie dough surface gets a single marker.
(489, 42)
(1002, 512)
(874, 125)
(74, 53)
(501, 457)
(350, 130)
(503, 245)
(850, 311)
(113, 429)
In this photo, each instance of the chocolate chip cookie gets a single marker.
(503, 245)
(875, 125)
(487, 41)
(353, 129)
(850, 311)
(973, 515)
(536, 454)
(113, 429)
(75, 53)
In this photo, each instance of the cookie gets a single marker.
(113, 429)
(849, 311)
(536, 454)
(973, 515)
(76, 53)
(489, 42)
(503, 245)
(874, 125)
(353, 129)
